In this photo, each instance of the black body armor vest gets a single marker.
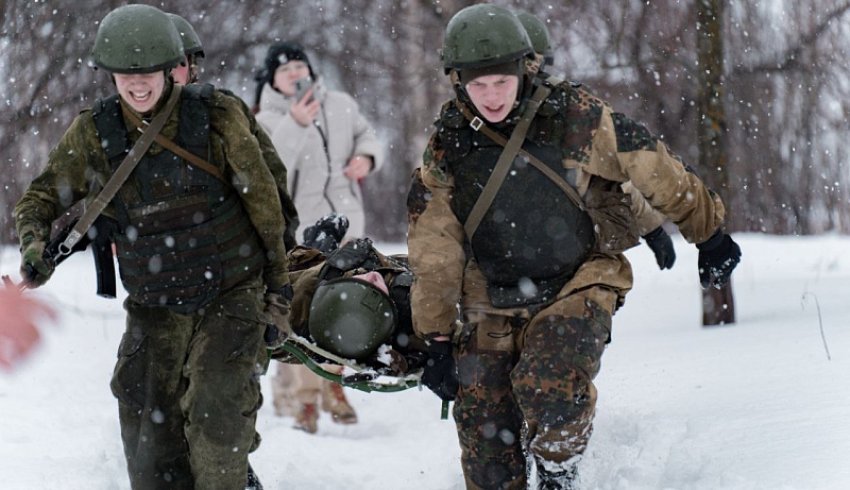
(533, 238)
(184, 235)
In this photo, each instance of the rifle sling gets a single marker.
(478, 125)
(121, 174)
(178, 150)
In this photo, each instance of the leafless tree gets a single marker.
(786, 85)
(718, 305)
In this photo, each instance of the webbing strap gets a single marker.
(178, 150)
(503, 165)
(122, 173)
(535, 162)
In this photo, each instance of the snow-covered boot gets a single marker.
(561, 479)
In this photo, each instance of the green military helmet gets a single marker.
(137, 39)
(350, 318)
(537, 32)
(484, 35)
(191, 41)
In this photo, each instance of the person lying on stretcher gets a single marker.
(351, 307)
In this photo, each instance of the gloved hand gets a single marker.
(277, 308)
(440, 374)
(662, 246)
(35, 269)
(718, 257)
(327, 233)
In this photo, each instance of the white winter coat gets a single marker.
(318, 186)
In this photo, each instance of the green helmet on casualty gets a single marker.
(484, 35)
(137, 39)
(350, 318)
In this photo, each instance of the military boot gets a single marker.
(253, 480)
(307, 418)
(560, 479)
(335, 402)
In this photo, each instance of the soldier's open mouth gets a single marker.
(141, 96)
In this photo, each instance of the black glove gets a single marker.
(662, 246)
(440, 374)
(718, 257)
(327, 233)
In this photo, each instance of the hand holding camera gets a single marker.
(305, 107)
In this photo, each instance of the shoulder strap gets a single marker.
(511, 148)
(177, 150)
(110, 128)
(122, 173)
(193, 131)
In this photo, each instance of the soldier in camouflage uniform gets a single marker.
(540, 277)
(200, 251)
(187, 72)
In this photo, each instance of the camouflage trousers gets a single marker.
(526, 389)
(188, 392)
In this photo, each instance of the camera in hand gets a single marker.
(302, 86)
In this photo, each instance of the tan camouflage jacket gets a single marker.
(647, 218)
(77, 168)
(597, 142)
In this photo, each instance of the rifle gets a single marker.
(99, 236)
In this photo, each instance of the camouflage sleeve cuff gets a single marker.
(31, 233)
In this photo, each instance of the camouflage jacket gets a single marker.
(77, 169)
(278, 170)
(601, 145)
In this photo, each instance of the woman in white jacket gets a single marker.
(324, 140)
(328, 148)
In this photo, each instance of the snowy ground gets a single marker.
(757, 405)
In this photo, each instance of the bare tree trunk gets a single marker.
(718, 304)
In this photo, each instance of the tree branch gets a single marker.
(790, 60)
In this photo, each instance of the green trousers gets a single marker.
(188, 391)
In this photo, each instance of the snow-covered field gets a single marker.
(755, 405)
